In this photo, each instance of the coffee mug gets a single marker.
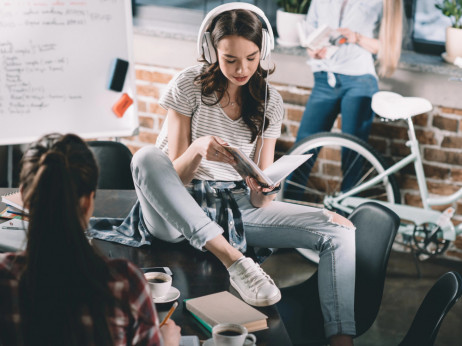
(159, 283)
(230, 334)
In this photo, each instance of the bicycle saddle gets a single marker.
(393, 106)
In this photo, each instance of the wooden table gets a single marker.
(195, 273)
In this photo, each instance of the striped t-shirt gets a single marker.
(184, 96)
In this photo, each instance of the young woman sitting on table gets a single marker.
(223, 101)
(60, 291)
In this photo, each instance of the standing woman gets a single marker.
(345, 82)
(60, 291)
(226, 100)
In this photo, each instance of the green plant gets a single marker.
(453, 10)
(295, 6)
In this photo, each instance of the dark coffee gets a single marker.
(157, 280)
(229, 333)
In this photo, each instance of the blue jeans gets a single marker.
(351, 97)
(171, 214)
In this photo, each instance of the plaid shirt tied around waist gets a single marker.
(227, 215)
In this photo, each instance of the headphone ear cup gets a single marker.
(265, 45)
(208, 49)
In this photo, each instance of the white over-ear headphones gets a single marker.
(205, 46)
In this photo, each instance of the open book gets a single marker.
(322, 37)
(272, 175)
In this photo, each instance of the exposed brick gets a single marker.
(148, 137)
(446, 110)
(458, 209)
(283, 145)
(293, 129)
(147, 90)
(160, 122)
(146, 122)
(458, 111)
(409, 183)
(445, 123)
(420, 120)
(153, 76)
(378, 144)
(142, 106)
(332, 170)
(338, 123)
(294, 98)
(437, 172)
(425, 137)
(389, 131)
(438, 155)
(452, 142)
(157, 109)
(456, 174)
(133, 148)
(458, 242)
(441, 188)
(399, 149)
(413, 200)
(455, 254)
(294, 114)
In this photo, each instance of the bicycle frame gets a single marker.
(345, 201)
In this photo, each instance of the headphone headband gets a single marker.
(228, 7)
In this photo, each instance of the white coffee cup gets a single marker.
(159, 283)
(230, 334)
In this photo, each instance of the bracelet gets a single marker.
(358, 37)
(273, 191)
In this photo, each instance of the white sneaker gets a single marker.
(252, 283)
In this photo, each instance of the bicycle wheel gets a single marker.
(340, 163)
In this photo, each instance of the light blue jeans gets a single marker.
(171, 214)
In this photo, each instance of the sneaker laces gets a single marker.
(255, 277)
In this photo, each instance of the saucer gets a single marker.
(171, 295)
(209, 342)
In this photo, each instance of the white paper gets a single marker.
(13, 235)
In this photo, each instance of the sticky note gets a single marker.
(121, 105)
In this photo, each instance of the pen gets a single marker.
(170, 312)
(16, 228)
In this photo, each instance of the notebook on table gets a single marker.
(223, 307)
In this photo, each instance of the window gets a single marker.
(429, 27)
(185, 16)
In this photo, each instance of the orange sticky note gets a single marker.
(121, 105)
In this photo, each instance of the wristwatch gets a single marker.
(273, 191)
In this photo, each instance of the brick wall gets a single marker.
(439, 133)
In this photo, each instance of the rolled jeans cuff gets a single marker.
(200, 237)
(340, 328)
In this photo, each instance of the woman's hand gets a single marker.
(259, 199)
(171, 333)
(351, 36)
(211, 148)
(318, 53)
(370, 44)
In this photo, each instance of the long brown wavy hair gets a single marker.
(247, 25)
(63, 276)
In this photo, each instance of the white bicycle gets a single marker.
(346, 172)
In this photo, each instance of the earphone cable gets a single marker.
(264, 111)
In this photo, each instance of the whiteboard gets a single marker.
(55, 63)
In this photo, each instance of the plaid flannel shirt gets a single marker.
(140, 322)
